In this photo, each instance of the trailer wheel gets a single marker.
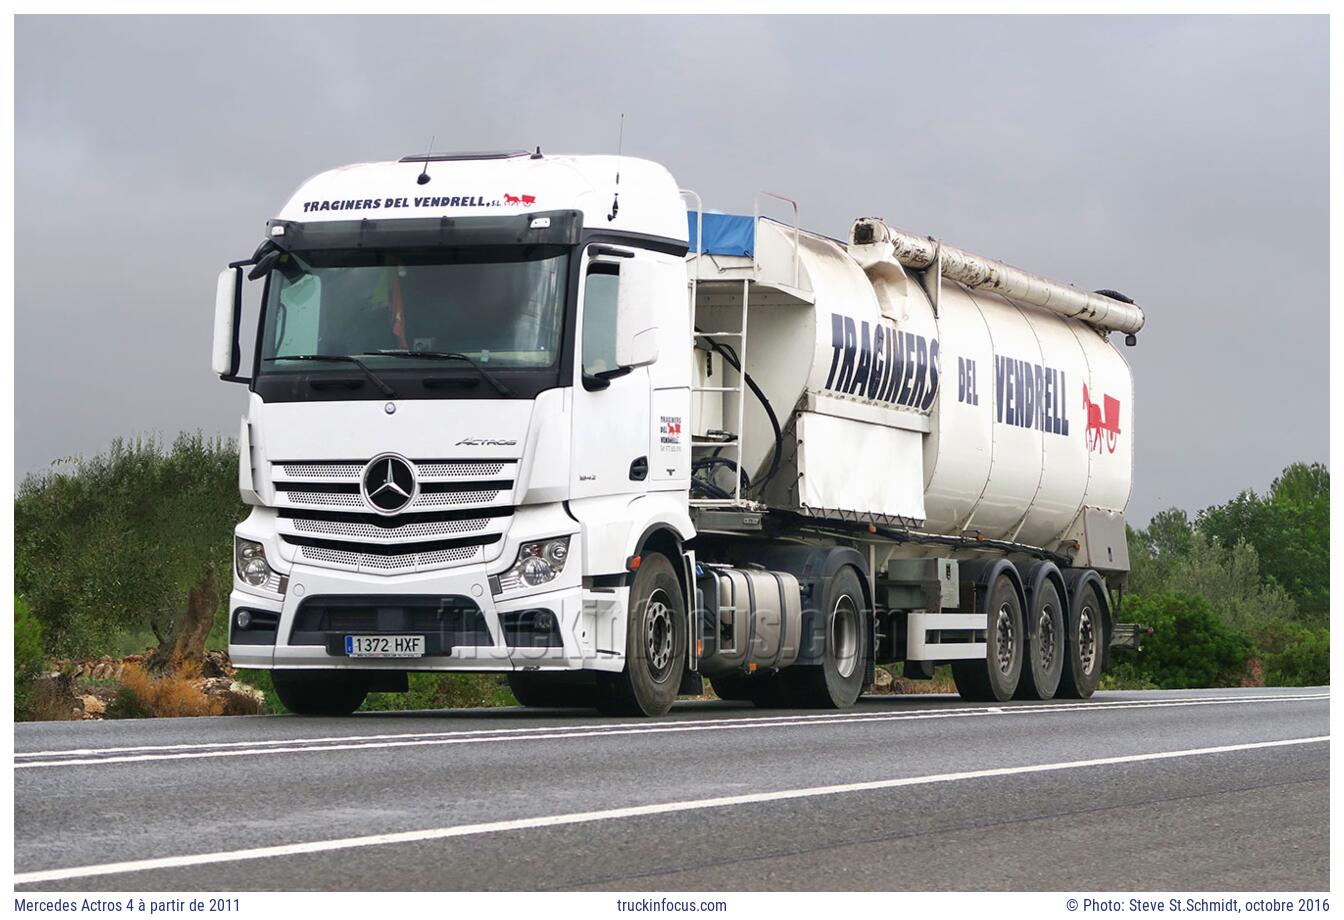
(1085, 648)
(655, 645)
(1045, 648)
(837, 682)
(557, 690)
(320, 693)
(995, 677)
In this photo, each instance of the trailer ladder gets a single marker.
(732, 439)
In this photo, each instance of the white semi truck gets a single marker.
(546, 415)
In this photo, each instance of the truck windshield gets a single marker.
(501, 307)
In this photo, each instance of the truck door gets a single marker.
(611, 404)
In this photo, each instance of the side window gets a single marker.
(599, 318)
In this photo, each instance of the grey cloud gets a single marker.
(1183, 160)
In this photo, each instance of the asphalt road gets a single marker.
(1189, 790)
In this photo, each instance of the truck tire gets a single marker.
(555, 690)
(837, 682)
(1045, 647)
(995, 678)
(655, 645)
(320, 693)
(1084, 647)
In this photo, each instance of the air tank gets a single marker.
(906, 397)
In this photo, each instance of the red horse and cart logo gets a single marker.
(1103, 422)
(525, 200)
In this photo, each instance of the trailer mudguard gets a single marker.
(979, 574)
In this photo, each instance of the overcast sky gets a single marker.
(1181, 160)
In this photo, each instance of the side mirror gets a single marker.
(636, 330)
(225, 357)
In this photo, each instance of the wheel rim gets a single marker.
(1045, 628)
(845, 635)
(1004, 636)
(658, 632)
(1087, 640)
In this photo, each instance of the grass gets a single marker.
(144, 695)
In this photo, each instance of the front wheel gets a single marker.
(320, 693)
(655, 645)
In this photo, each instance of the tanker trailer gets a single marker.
(486, 430)
(958, 431)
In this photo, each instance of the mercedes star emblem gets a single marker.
(389, 483)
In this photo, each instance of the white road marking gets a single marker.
(371, 742)
(612, 814)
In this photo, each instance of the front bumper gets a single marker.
(579, 625)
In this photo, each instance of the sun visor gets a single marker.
(534, 228)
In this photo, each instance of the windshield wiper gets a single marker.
(446, 356)
(343, 359)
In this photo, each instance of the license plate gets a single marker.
(385, 646)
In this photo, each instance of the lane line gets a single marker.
(643, 728)
(612, 814)
(1021, 707)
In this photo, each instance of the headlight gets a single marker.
(250, 561)
(538, 563)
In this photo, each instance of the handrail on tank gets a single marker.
(756, 250)
(872, 240)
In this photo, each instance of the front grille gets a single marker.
(453, 519)
(446, 623)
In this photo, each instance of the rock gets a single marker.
(882, 680)
(241, 700)
(216, 664)
(92, 705)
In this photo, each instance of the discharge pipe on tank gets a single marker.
(872, 241)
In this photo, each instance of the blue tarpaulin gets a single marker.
(725, 234)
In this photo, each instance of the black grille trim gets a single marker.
(391, 549)
(362, 463)
(351, 488)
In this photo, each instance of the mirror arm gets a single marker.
(602, 379)
(593, 383)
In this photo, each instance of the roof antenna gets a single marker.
(423, 178)
(616, 198)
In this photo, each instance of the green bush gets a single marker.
(27, 654)
(1293, 655)
(112, 544)
(1190, 646)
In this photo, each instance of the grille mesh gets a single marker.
(448, 499)
(446, 470)
(407, 561)
(373, 532)
(338, 499)
(322, 470)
